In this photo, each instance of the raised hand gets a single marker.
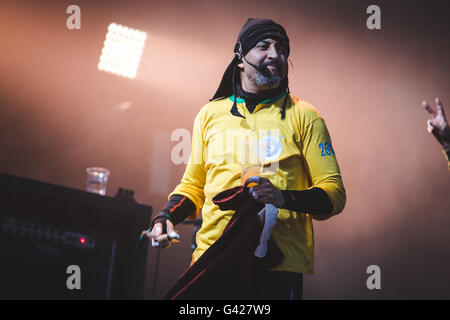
(437, 124)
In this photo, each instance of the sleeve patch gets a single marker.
(326, 149)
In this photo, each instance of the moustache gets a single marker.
(263, 67)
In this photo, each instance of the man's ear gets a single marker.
(240, 63)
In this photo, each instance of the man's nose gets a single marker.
(273, 53)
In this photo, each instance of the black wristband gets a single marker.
(178, 208)
(312, 201)
(160, 217)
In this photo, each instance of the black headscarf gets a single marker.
(253, 31)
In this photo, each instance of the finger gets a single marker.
(161, 244)
(265, 180)
(429, 126)
(263, 195)
(256, 188)
(252, 192)
(157, 230)
(262, 192)
(171, 233)
(169, 226)
(428, 108)
(255, 179)
(144, 234)
(265, 199)
(440, 107)
(265, 188)
(162, 238)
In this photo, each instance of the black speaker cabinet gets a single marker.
(63, 243)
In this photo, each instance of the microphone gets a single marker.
(257, 67)
(262, 67)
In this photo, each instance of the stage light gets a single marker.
(122, 50)
(82, 240)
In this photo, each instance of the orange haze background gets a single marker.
(60, 115)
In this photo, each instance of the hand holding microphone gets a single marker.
(162, 232)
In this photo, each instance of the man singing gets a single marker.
(304, 181)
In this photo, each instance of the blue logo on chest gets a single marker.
(271, 146)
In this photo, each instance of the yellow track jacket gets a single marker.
(298, 155)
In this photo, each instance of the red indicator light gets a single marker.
(82, 240)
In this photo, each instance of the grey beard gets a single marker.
(271, 81)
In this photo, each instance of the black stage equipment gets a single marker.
(62, 243)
